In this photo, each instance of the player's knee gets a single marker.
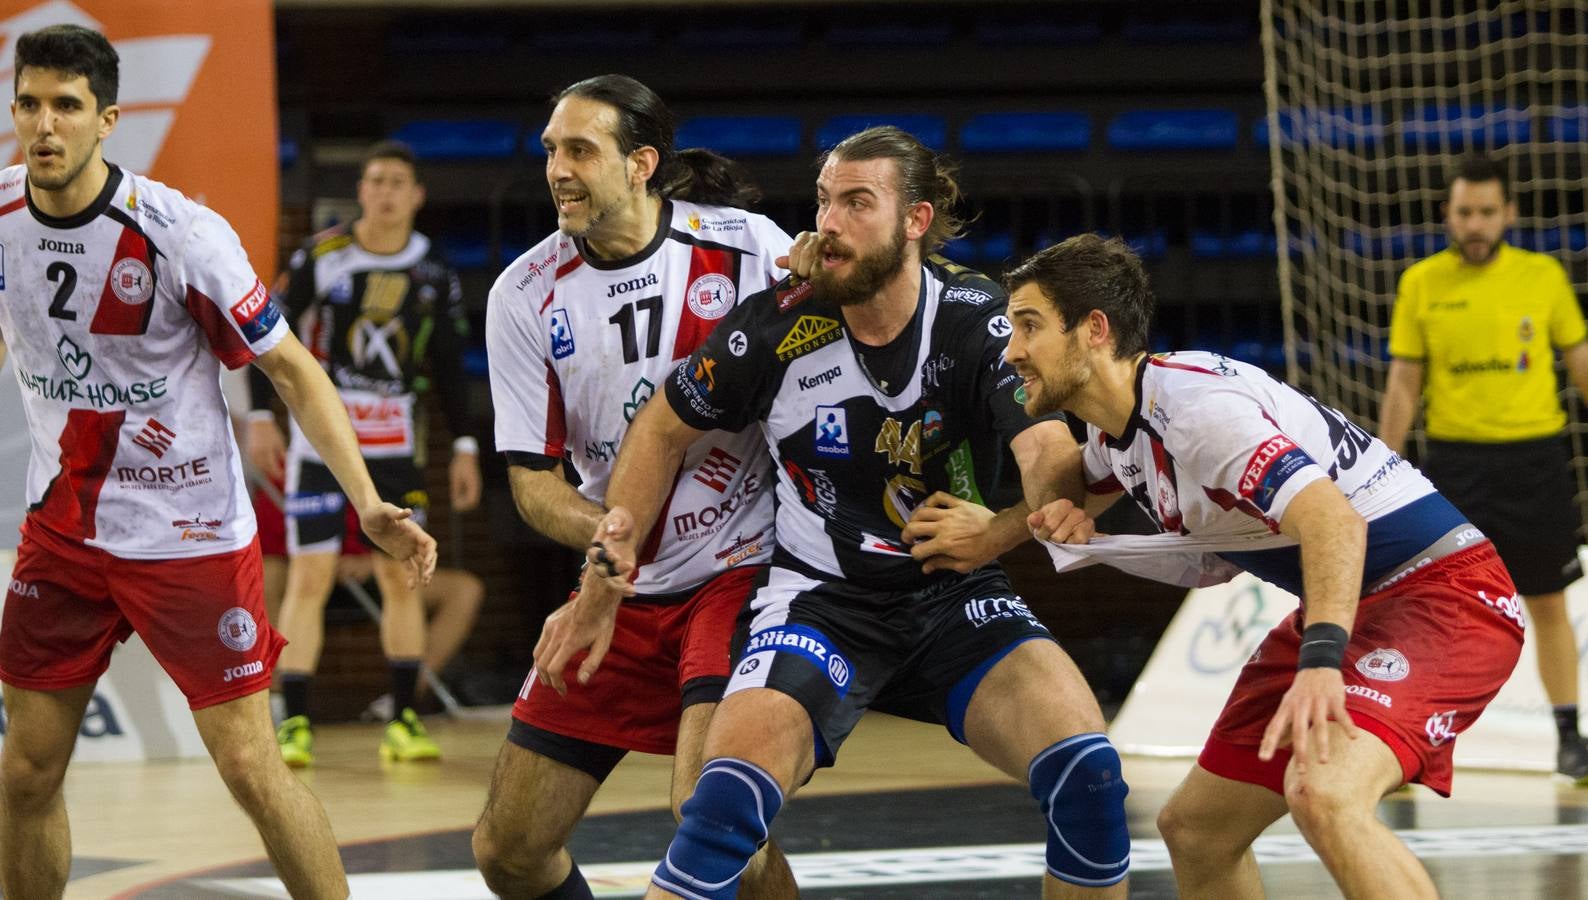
(1081, 791)
(30, 779)
(1317, 803)
(723, 824)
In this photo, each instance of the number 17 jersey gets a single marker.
(578, 344)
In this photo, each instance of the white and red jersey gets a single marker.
(117, 320)
(578, 344)
(1216, 448)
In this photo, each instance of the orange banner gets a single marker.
(197, 97)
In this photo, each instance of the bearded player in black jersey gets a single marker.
(881, 388)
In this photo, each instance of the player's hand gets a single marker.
(393, 529)
(1302, 720)
(266, 449)
(947, 532)
(463, 480)
(1062, 522)
(610, 558)
(584, 623)
(804, 257)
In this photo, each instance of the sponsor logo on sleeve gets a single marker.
(738, 343)
(711, 296)
(832, 432)
(1269, 468)
(793, 296)
(999, 327)
(561, 334)
(808, 333)
(705, 375)
(255, 315)
(967, 295)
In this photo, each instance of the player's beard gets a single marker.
(1054, 392)
(64, 180)
(593, 219)
(1485, 251)
(871, 272)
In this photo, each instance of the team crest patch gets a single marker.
(808, 333)
(131, 281)
(1384, 664)
(711, 296)
(237, 629)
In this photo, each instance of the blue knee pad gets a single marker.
(724, 822)
(1078, 784)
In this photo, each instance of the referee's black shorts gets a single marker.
(1520, 494)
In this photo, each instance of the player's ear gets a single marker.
(917, 220)
(108, 117)
(642, 165)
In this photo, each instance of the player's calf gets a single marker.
(1077, 783)
(724, 822)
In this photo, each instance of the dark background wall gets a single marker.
(1188, 186)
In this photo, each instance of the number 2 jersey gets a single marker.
(578, 344)
(117, 320)
(1216, 447)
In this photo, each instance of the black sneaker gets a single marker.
(1571, 760)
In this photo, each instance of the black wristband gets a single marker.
(1322, 646)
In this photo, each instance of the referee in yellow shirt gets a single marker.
(1474, 334)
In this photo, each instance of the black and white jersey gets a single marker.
(858, 449)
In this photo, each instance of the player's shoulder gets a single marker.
(329, 240)
(1534, 263)
(1199, 381)
(964, 288)
(12, 183)
(1437, 265)
(533, 275)
(726, 226)
(161, 209)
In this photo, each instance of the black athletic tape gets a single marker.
(1322, 646)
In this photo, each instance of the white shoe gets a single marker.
(381, 709)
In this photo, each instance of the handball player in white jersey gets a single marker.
(1409, 622)
(652, 249)
(119, 300)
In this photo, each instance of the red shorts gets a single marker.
(659, 655)
(1425, 657)
(202, 617)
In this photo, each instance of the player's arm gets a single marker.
(1333, 539)
(1575, 357)
(1402, 393)
(307, 391)
(451, 328)
(266, 448)
(552, 506)
(647, 464)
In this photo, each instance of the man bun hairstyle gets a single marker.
(695, 175)
(74, 50)
(923, 176)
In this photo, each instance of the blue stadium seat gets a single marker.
(1550, 240)
(1026, 132)
(532, 141)
(466, 253)
(287, 152)
(1400, 243)
(477, 139)
(1569, 126)
(931, 131)
(476, 364)
(1173, 129)
(742, 135)
(1253, 243)
(1350, 127)
(1479, 125)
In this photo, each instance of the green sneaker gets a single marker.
(406, 740)
(297, 742)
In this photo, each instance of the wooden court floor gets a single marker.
(907, 813)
